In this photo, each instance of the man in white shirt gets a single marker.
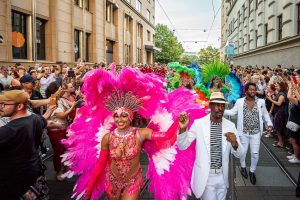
(215, 139)
(45, 80)
(5, 79)
(251, 114)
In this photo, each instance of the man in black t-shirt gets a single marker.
(20, 162)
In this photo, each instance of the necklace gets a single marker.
(123, 133)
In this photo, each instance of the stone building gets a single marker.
(265, 32)
(49, 31)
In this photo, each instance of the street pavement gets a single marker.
(272, 183)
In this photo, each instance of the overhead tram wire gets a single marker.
(170, 20)
(212, 2)
(213, 23)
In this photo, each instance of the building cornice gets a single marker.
(270, 47)
(229, 11)
(138, 13)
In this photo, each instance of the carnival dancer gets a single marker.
(105, 123)
(251, 112)
(215, 139)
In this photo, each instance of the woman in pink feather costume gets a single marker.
(104, 149)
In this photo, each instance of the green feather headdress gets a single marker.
(214, 69)
(181, 69)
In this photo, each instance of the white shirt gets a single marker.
(3, 121)
(5, 81)
(45, 82)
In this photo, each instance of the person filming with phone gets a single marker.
(57, 125)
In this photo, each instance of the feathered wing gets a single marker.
(235, 87)
(94, 121)
(86, 133)
(198, 74)
(169, 167)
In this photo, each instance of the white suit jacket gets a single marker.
(238, 110)
(200, 131)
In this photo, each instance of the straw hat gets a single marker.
(217, 97)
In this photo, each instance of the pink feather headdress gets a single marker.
(119, 102)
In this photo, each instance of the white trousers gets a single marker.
(215, 188)
(254, 141)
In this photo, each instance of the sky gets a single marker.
(192, 14)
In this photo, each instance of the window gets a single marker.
(266, 34)
(139, 30)
(87, 5)
(256, 38)
(279, 27)
(127, 54)
(248, 42)
(243, 11)
(19, 36)
(127, 22)
(148, 15)
(139, 5)
(298, 31)
(148, 36)
(40, 39)
(109, 13)
(77, 44)
(139, 54)
(76, 2)
(256, 4)
(87, 46)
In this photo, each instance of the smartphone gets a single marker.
(71, 73)
(52, 101)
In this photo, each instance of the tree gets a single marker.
(171, 49)
(189, 59)
(209, 54)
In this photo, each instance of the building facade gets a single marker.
(50, 31)
(265, 32)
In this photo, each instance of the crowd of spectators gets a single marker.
(280, 87)
(54, 92)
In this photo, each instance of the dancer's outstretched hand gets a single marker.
(183, 120)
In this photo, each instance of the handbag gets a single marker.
(292, 126)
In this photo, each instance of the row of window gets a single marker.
(232, 27)
(138, 7)
(20, 37)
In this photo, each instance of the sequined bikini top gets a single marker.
(124, 147)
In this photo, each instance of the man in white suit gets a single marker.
(215, 139)
(251, 113)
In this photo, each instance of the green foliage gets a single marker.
(171, 49)
(189, 59)
(216, 68)
(209, 55)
